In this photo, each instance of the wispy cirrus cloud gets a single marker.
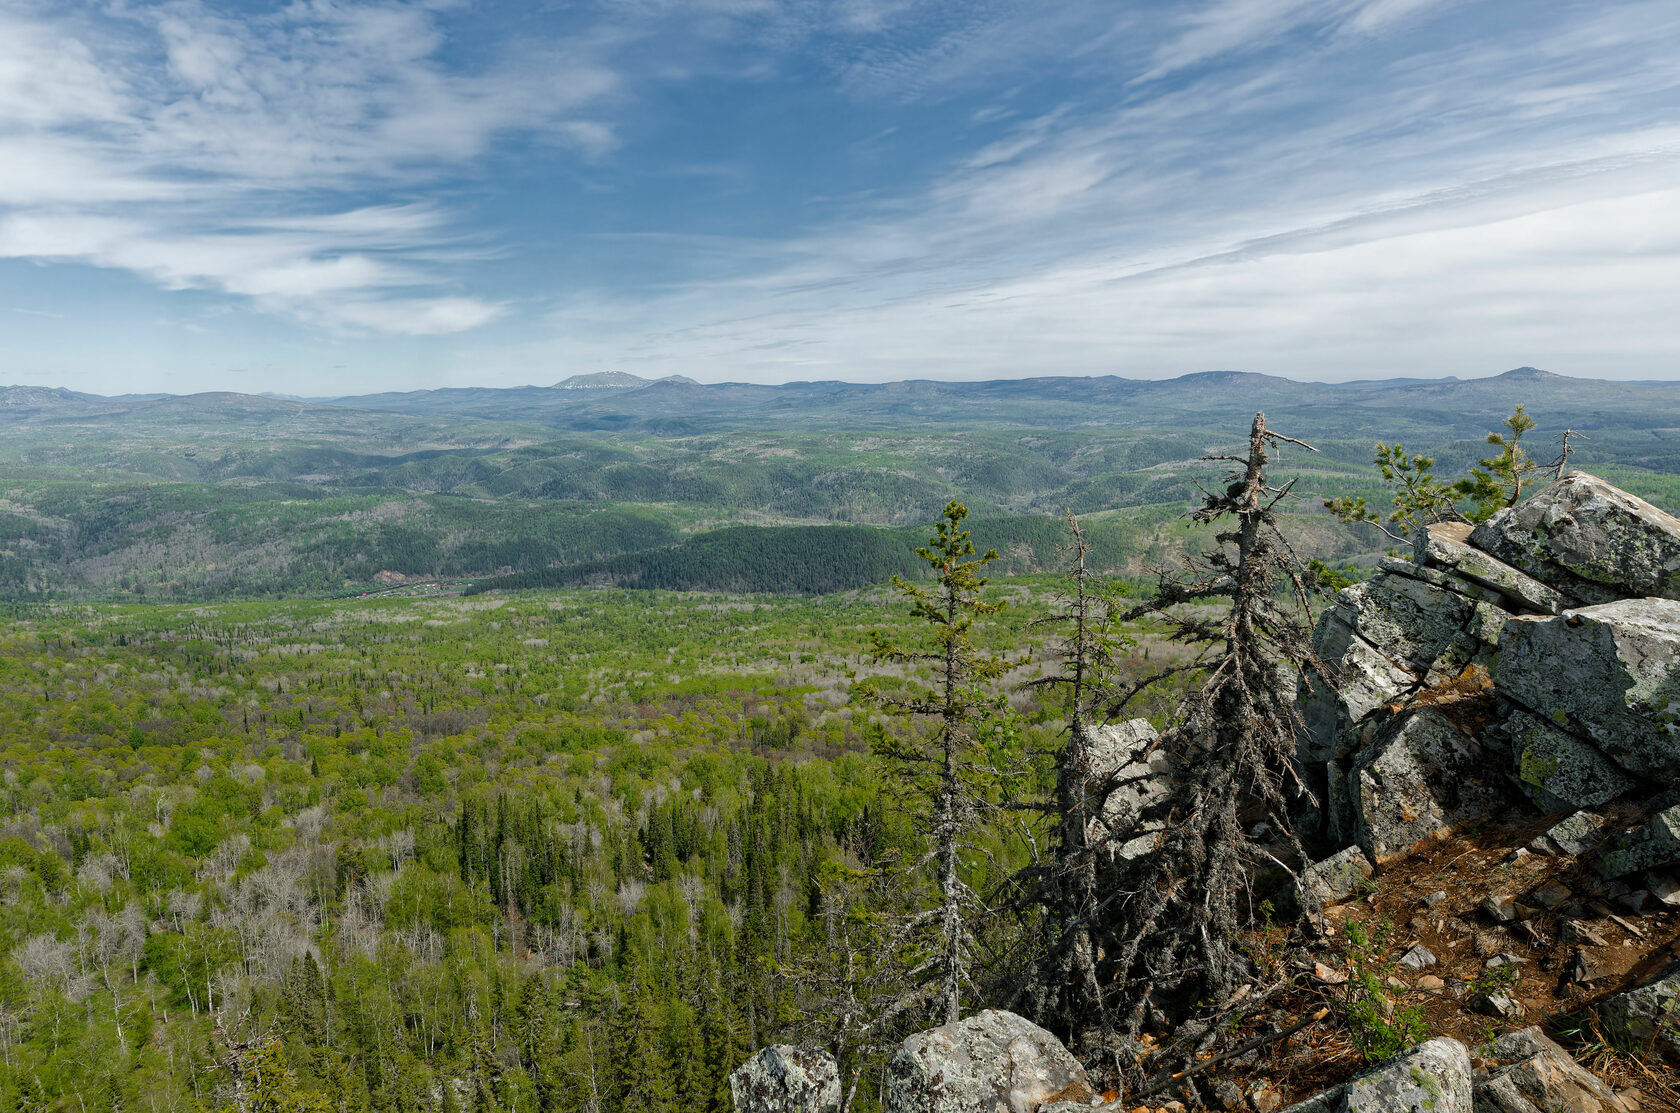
(1385, 201)
(204, 150)
(870, 188)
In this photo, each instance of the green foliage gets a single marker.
(1418, 497)
(434, 841)
(1498, 481)
(1378, 1026)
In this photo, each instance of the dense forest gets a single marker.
(560, 851)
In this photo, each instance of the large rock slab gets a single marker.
(1137, 775)
(1446, 546)
(1609, 673)
(1646, 1017)
(784, 1079)
(1535, 1075)
(1414, 624)
(1334, 709)
(992, 1062)
(1423, 777)
(1433, 1077)
(1557, 770)
(1592, 541)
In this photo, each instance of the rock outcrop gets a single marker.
(1591, 541)
(1532, 659)
(1531, 1074)
(1647, 1016)
(992, 1062)
(1432, 1077)
(783, 1079)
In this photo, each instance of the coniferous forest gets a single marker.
(587, 847)
(580, 850)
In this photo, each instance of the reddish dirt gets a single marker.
(1489, 861)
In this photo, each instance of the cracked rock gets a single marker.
(992, 1062)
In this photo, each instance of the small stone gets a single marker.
(1228, 1094)
(1418, 957)
(1431, 982)
(1501, 908)
(1531, 935)
(1626, 925)
(1498, 1005)
(1664, 888)
(1586, 967)
(1325, 975)
(1504, 958)
(1577, 931)
(1551, 896)
(1434, 898)
(1575, 835)
(1266, 1100)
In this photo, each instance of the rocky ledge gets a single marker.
(1523, 674)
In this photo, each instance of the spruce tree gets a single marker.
(1066, 891)
(947, 773)
(644, 1079)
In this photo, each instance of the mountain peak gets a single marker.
(603, 380)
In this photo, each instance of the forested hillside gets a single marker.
(514, 854)
(232, 496)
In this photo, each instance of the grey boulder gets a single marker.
(1123, 758)
(1332, 880)
(1558, 771)
(1647, 1017)
(1535, 1075)
(992, 1062)
(1433, 1077)
(784, 1079)
(1334, 709)
(1416, 625)
(1654, 843)
(1609, 673)
(1423, 777)
(1592, 540)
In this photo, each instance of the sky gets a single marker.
(326, 197)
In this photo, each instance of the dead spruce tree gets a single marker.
(1179, 914)
(949, 772)
(1061, 987)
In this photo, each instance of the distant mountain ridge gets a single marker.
(675, 406)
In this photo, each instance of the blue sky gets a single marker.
(325, 197)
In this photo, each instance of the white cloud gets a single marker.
(1466, 206)
(206, 151)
